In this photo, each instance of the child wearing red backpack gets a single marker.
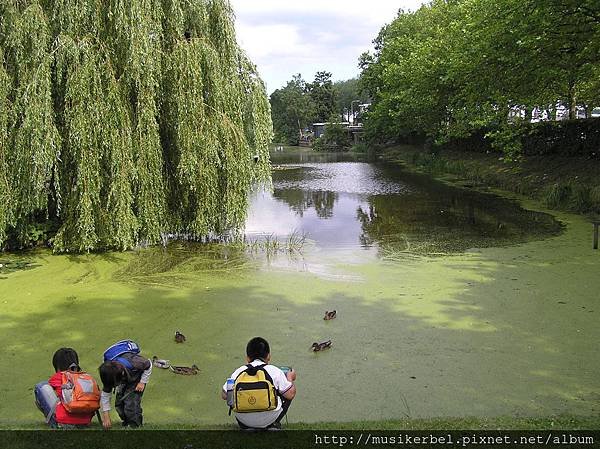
(51, 397)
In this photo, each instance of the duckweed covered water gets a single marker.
(427, 325)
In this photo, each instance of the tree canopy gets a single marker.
(452, 67)
(299, 104)
(292, 109)
(121, 121)
(348, 95)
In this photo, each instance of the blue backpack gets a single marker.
(115, 352)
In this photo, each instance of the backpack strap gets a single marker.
(252, 370)
(123, 361)
(267, 375)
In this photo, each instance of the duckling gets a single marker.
(160, 363)
(185, 370)
(320, 346)
(330, 315)
(179, 337)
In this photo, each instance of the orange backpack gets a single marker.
(80, 393)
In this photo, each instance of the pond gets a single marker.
(343, 205)
(449, 303)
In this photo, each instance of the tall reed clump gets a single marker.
(123, 120)
(557, 195)
(580, 198)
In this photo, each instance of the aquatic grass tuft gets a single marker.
(581, 199)
(295, 241)
(595, 199)
(436, 165)
(271, 245)
(557, 195)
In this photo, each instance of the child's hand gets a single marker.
(140, 387)
(106, 420)
(291, 375)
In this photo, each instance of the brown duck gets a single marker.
(330, 315)
(179, 337)
(185, 370)
(316, 347)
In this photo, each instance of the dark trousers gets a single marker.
(128, 404)
(285, 405)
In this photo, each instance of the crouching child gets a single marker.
(70, 398)
(126, 373)
(259, 393)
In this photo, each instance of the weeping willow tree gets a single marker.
(5, 199)
(124, 120)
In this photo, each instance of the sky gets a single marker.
(284, 37)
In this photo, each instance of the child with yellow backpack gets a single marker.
(259, 393)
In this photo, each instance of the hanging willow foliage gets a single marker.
(5, 110)
(122, 121)
(34, 143)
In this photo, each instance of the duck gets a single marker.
(179, 337)
(160, 363)
(185, 370)
(316, 347)
(330, 315)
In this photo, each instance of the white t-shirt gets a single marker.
(281, 384)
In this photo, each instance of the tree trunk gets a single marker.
(572, 100)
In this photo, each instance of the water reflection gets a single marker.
(301, 200)
(359, 205)
(429, 222)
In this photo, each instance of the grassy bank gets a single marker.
(468, 423)
(562, 183)
(296, 437)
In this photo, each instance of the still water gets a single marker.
(340, 204)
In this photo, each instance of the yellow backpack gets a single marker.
(254, 391)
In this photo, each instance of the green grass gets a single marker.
(296, 436)
(468, 423)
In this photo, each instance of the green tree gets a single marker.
(322, 94)
(348, 94)
(292, 110)
(334, 138)
(121, 121)
(451, 68)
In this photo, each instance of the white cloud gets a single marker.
(285, 38)
(259, 42)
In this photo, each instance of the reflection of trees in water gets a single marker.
(301, 200)
(454, 221)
